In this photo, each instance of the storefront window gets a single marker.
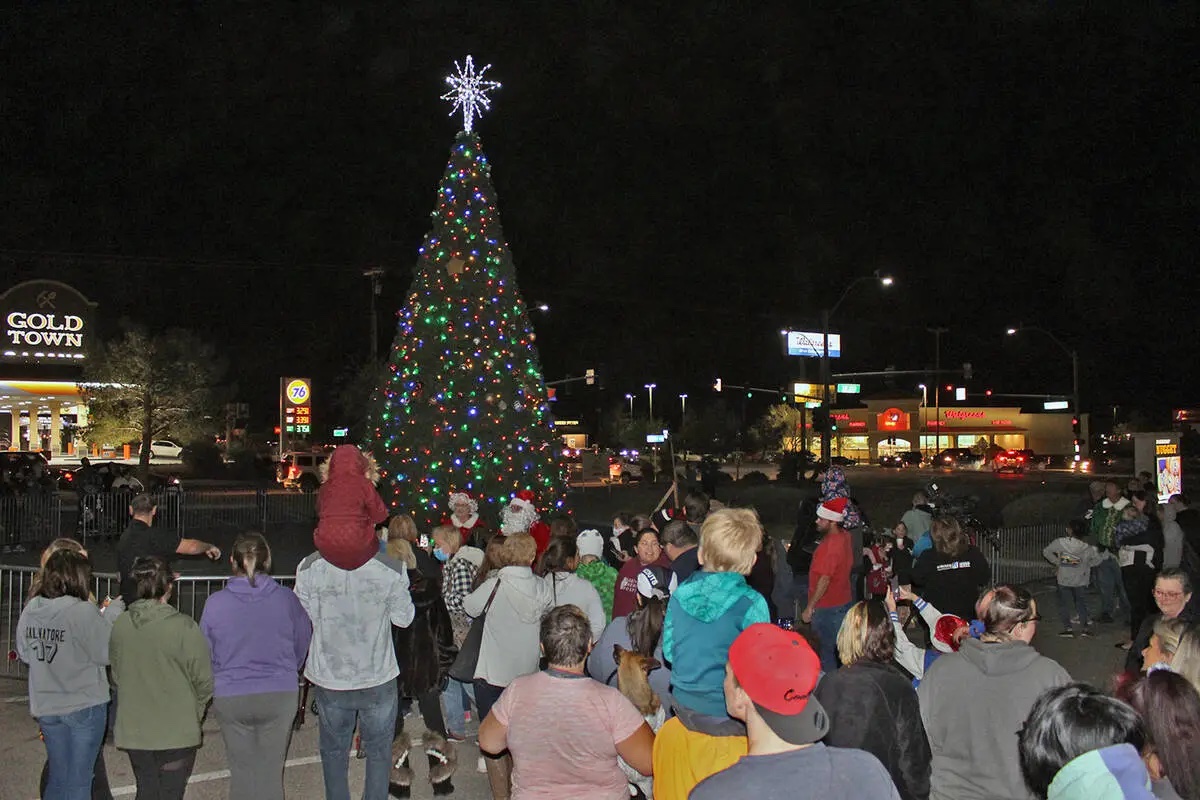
(1010, 441)
(900, 446)
(856, 447)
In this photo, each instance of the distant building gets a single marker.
(902, 424)
(48, 335)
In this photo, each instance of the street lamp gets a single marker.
(629, 397)
(885, 281)
(924, 415)
(683, 405)
(1074, 354)
(651, 386)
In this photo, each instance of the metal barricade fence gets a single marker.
(28, 520)
(191, 593)
(1020, 558)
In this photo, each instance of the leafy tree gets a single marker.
(143, 387)
(353, 394)
(779, 428)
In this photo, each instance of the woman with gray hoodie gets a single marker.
(974, 701)
(63, 637)
(515, 600)
(1074, 557)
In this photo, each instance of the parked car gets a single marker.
(842, 461)
(958, 457)
(165, 448)
(301, 470)
(622, 469)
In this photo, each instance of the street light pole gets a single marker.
(682, 405)
(937, 387)
(826, 439)
(924, 418)
(1073, 354)
(629, 397)
(651, 386)
(374, 274)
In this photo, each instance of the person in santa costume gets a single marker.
(520, 516)
(465, 517)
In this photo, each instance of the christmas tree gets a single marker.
(464, 406)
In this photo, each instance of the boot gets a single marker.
(499, 773)
(401, 776)
(443, 760)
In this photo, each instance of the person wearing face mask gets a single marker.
(460, 563)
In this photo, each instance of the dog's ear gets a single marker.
(650, 664)
(617, 651)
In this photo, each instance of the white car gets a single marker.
(163, 448)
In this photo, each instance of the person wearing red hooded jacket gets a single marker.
(348, 509)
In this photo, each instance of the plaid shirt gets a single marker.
(457, 579)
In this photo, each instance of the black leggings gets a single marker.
(430, 706)
(1139, 585)
(162, 774)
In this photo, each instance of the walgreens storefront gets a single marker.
(902, 424)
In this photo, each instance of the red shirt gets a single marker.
(834, 559)
(625, 591)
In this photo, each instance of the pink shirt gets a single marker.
(563, 735)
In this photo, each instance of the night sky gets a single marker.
(677, 180)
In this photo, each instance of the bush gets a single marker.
(203, 459)
(792, 466)
(755, 478)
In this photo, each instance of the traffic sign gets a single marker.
(849, 388)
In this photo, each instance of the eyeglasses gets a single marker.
(1167, 595)
(1034, 618)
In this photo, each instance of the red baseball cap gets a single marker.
(778, 670)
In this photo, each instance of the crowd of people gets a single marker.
(684, 654)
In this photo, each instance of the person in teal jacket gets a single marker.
(711, 608)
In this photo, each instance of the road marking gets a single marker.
(219, 775)
(21, 699)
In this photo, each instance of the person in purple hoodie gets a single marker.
(258, 634)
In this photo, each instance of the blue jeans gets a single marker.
(826, 622)
(1072, 598)
(72, 742)
(456, 701)
(1112, 588)
(374, 710)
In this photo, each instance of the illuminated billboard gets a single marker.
(808, 343)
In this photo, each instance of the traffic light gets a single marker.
(967, 370)
(820, 419)
(717, 385)
(1075, 426)
(590, 377)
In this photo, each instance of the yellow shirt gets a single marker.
(683, 758)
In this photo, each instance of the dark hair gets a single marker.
(142, 503)
(563, 525)
(1176, 574)
(1148, 497)
(1170, 707)
(641, 522)
(251, 555)
(152, 577)
(1068, 721)
(866, 634)
(948, 537)
(1078, 528)
(565, 636)
(560, 551)
(66, 574)
(645, 624)
(695, 506)
(678, 533)
(491, 559)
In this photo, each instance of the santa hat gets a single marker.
(524, 499)
(943, 632)
(833, 510)
(462, 497)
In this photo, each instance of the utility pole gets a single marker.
(375, 275)
(937, 387)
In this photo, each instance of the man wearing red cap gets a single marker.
(769, 682)
(829, 595)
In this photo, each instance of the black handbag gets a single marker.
(463, 669)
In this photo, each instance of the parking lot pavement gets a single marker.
(24, 756)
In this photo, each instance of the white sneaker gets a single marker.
(481, 767)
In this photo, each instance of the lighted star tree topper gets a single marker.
(469, 92)
(464, 405)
